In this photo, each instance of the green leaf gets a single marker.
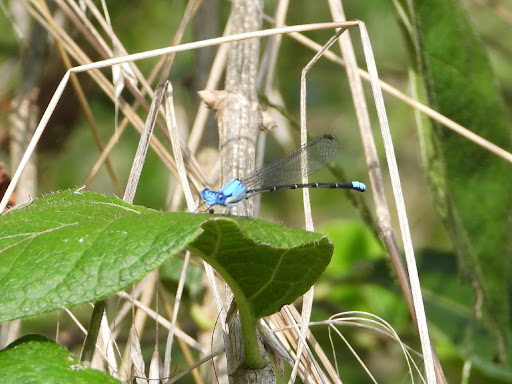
(66, 249)
(71, 248)
(449, 306)
(35, 359)
(472, 187)
(265, 266)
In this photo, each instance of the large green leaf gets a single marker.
(472, 187)
(66, 249)
(264, 274)
(70, 248)
(269, 272)
(35, 359)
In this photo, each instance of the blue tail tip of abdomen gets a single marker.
(358, 186)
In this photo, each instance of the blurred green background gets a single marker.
(359, 277)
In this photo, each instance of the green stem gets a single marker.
(92, 333)
(252, 355)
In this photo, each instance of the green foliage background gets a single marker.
(358, 278)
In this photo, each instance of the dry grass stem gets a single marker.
(164, 323)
